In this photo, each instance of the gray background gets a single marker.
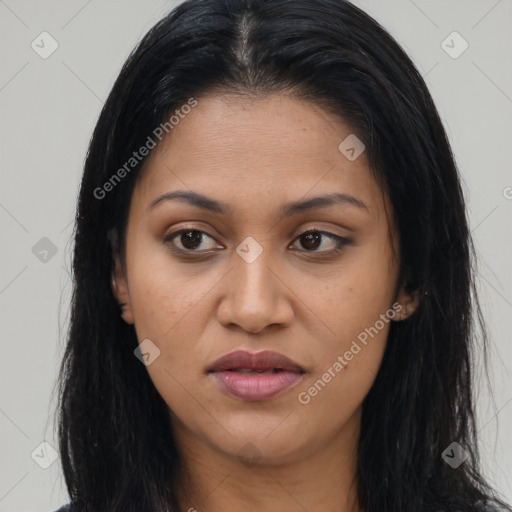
(48, 111)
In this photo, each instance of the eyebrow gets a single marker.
(288, 209)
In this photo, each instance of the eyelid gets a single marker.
(316, 229)
(340, 241)
(169, 237)
(180, 228)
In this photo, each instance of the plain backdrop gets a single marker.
(48, 108)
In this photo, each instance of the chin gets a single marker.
(258, 447)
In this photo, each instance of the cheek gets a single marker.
(169, 309)
(370, 282)
(345, 372)
(356, 294)
(354, 351)
(356, 304)
(166, 311)
(162, 294)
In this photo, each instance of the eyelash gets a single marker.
(340, 242)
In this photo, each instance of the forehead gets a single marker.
(262, 150)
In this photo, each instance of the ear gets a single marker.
(119, 285)
(409, 301)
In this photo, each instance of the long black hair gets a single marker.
(116, 445)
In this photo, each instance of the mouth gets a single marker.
(259, 362)
(248, 371)
(255, 377)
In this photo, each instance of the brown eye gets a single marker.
(189, 239)
(313, 239)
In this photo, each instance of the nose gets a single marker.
(256, 295)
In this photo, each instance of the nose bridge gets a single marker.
(254, 297)
(251, 273)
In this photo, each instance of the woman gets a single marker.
(271, 203)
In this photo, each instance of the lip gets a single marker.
(255, 386)
(265, 360)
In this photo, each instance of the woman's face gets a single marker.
(243, 276)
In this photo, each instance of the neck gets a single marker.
(316, 479)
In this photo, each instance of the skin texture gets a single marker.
(255, 155)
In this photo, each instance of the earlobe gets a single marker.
(409, 302)
(120, 290)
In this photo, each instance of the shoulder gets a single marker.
(65, 508)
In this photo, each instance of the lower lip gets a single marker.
(259, 386)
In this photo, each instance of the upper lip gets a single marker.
(265, 360)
